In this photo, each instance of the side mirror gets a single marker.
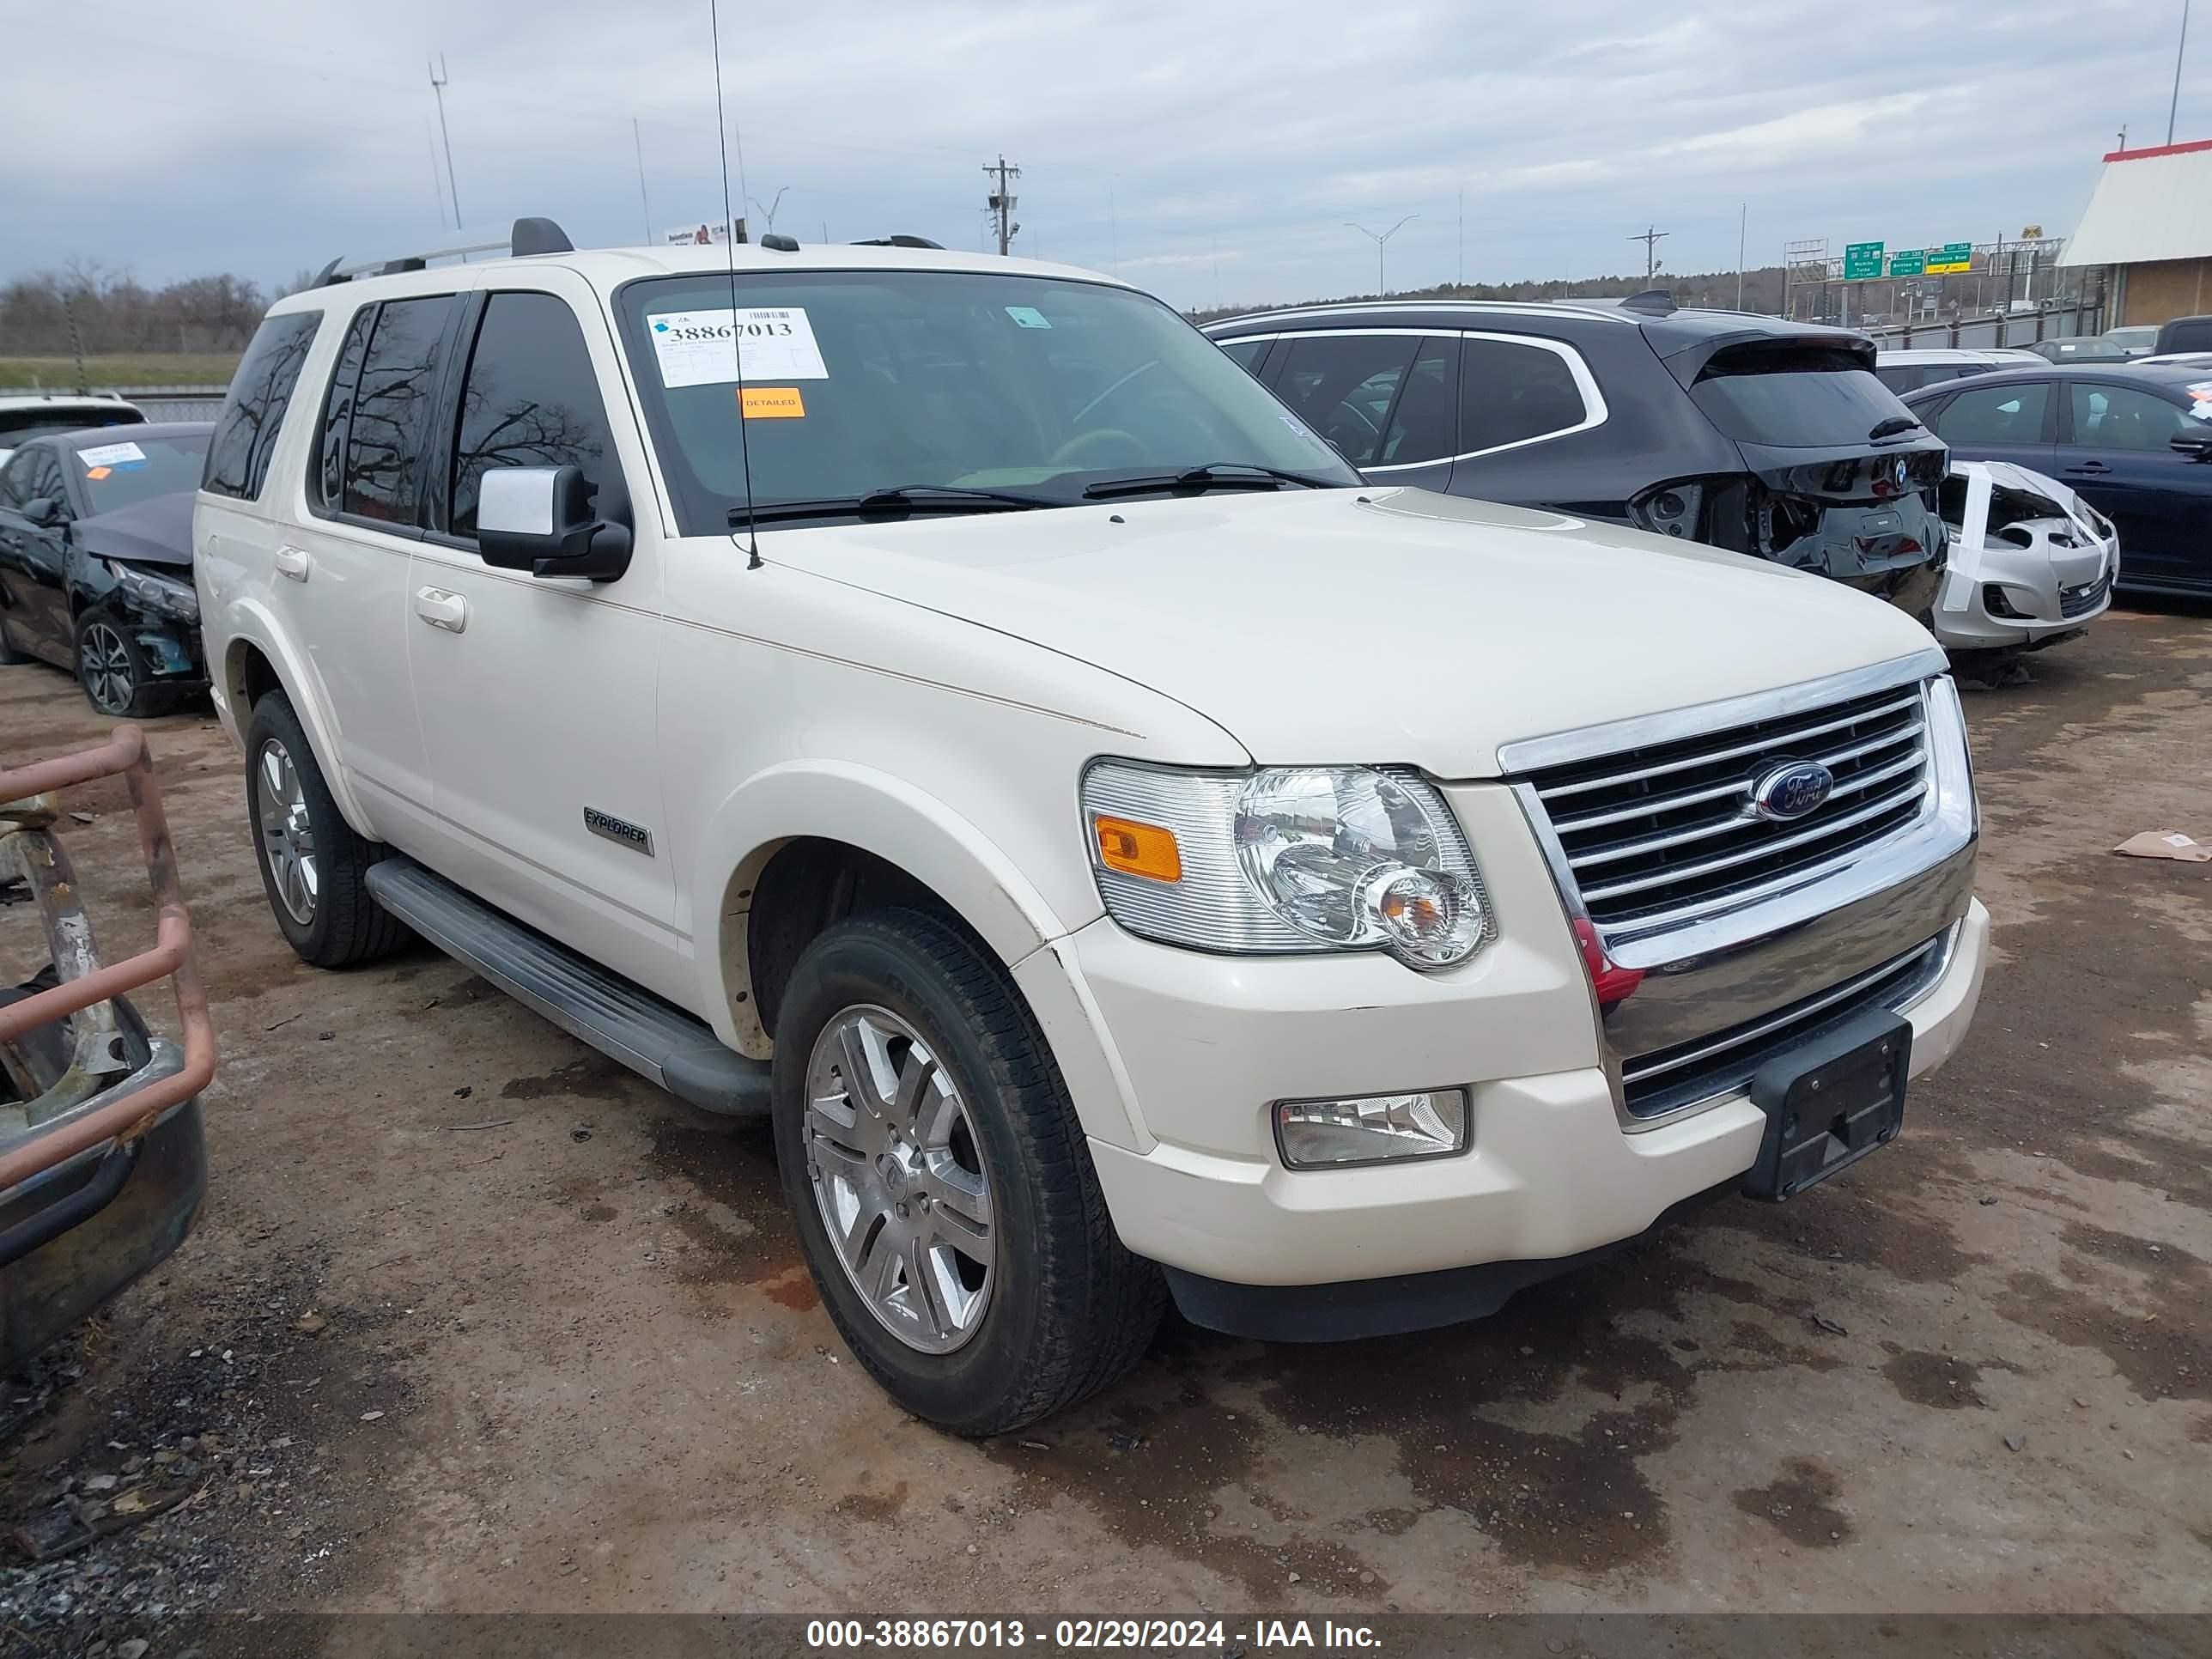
(43, 511)
(2195, 447)
(539, 518)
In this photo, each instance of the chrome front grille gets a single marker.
(2084, 597)
(1662, 835)
(1668, 1080)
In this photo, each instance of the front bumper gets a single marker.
(2057, 593)
(1551, 1174)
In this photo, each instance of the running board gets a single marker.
(623, 1020)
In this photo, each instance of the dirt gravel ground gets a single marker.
(473, 1320)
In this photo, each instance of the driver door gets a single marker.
(34, 557)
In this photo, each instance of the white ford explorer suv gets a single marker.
(1124, 854)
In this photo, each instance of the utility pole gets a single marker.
(1379, 241)
(1001, 202)
(2179, 46)
(1742, 224)
(439, 80)
(1651, 238)
(1459, 278)
(643, 200)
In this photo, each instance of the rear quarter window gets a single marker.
(1793, 396)
(253, 412)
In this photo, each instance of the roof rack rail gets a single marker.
(526, 237)
(898, 239)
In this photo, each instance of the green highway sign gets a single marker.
(1862, 260)
(1911, 264)
(1950, 258)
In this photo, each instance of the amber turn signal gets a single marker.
(1137, 849)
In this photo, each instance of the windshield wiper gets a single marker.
(1892, 427)
(897, 500)
(1218, 475)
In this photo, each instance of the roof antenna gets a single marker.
(730, 245)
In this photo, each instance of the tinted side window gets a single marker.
(1995, 415)
(2124, 417)
(1511, 392)
(1343, 386)
(45, 479)
(530, 399)
(253, 414)
(1425, 421)
(1245, 354)
(337, 410)
(394, 410)
(16, 477)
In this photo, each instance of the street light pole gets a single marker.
(2179, 46)
(1379, 240)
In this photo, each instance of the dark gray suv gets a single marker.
(1749, 433)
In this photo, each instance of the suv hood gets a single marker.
(1388, 626)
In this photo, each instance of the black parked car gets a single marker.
(96, 562)
(1752, 433)
(2134, 440)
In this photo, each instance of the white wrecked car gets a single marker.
(2032, 562)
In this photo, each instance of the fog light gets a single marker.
(1370, 1128)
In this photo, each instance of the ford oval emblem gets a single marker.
(1790, 790)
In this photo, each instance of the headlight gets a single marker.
(1286, 859)
(158, 593)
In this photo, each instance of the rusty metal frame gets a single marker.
(134, 1110)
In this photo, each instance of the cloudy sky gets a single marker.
(1213, 152)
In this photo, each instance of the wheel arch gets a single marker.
(254, 663)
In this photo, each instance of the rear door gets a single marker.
(342, 580)
(2115, 446)
(1388, 399)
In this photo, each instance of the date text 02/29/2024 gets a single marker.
(1086, 1635)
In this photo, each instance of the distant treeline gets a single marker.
(115, 313)
(1762, 291)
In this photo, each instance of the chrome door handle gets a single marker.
(292, 561)
(441, 609)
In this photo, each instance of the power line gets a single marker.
(1651, 237)
(1001, 203)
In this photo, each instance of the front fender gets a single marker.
(251, 625)
(880, 813)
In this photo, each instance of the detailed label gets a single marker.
(112, 456)
(710, 348)
(773, 403)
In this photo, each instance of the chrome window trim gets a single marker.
(1469, 307)
(1594, 412)
(1641, 731)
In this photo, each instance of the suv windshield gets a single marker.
(1794, 396)
(123, 470)
(872, 385)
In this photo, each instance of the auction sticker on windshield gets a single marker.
(773, 343)
(112, 455)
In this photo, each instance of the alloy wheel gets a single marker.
(288, 840)
(104, 665)
(897, 1172)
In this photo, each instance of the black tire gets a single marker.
(1070, 1309)
(343, 924)
(112, 671)
(9, 655)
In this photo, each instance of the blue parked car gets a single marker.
(2134, 441)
